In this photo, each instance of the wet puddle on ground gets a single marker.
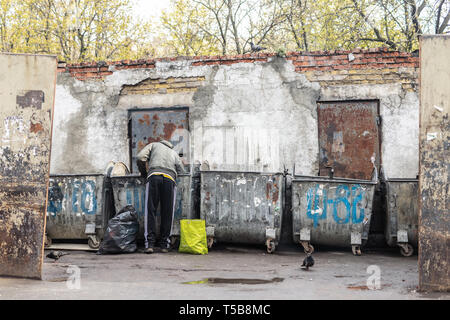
(234, 281)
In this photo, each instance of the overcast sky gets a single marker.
(150, 8)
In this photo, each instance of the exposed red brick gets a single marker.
(372, 58)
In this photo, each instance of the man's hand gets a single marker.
(142, 166)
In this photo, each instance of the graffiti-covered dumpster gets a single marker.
(130, 190)
(331, 211)
(402, 214)
(77, 208)
(242, 207)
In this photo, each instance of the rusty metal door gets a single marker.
(153, 125)
(27, 87)
(349, 140)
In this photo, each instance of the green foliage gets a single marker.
(86, 30)
(75, 30)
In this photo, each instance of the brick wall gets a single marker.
(337, 67)
(373, 66)
(162, 86)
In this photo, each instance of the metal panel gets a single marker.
(130, 190)
(434, 178)
(242, 207)
(335, 212)
(76, 202)
(27, 85)
(348, 138)
(154, 125)
(402, 211)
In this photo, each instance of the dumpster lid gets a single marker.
(298, 178)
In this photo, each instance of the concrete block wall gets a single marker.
(246, 112)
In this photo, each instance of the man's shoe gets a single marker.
(148, 250)
(165, 249)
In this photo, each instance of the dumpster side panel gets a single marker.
(130, 190)
(402, 210)
(74, 202)
(241, 206)
(27, 87)
(331, 211)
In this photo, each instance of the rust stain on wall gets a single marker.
(36, 127)
(348, 138)
(148, 126)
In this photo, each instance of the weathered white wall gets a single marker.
(246, 116)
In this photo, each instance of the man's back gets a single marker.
(161, 158)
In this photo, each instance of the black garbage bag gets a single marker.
(121, 233)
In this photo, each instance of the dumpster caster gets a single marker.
(356, 250)
(94, 242)
(47, 241)
(210, 242)
(307, 247)
(174, 241)
(406, 249)
(270, 244)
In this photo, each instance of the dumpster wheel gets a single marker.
(356, 250)
(270, 244)
(406, 249)
(94, 242)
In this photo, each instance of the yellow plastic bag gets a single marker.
(193, 236)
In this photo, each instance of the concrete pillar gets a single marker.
(434, 217)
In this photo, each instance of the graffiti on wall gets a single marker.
(79, 196)
(344, 204)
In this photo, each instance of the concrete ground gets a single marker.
(226, 273)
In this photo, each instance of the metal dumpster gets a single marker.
(77, 208)
(242, 207)
(402, 217)
(130, 190)
(331, 211)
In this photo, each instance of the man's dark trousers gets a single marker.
(159, 189)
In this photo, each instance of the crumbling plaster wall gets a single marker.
(256, 114)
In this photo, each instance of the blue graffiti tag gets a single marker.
(313, 212)
(342, 189)
(135, 196)
(356, 200)
(55, 198)
(83, 198)
(345, 204)
(75, 191)
(88, 192)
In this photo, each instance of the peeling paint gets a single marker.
(25, 124)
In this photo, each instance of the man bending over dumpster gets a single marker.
(163, 166)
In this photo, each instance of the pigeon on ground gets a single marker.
(256, 48)
(308, 261)
(55, 255)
